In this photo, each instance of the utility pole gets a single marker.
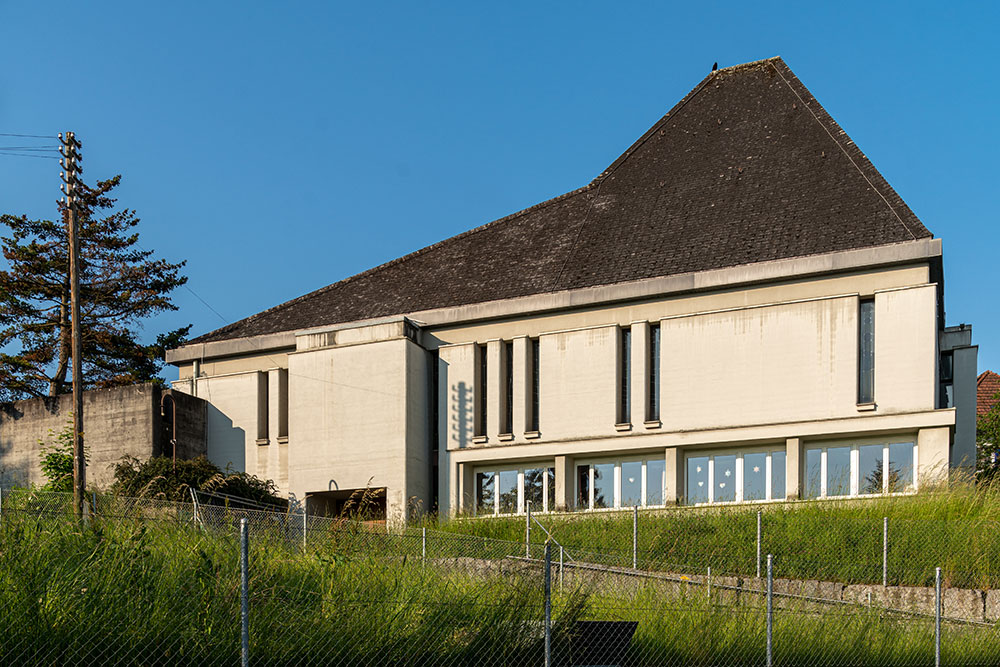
(70, 151)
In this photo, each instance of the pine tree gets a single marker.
(120, 286)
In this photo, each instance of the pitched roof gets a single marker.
(748, 167)
(987, 390)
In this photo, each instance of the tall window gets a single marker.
(866, 352)
(508, 381)
(624, 390)
(946, 375)
(481, 391)
(535, 376)
(653, 410)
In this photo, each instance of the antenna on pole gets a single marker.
(70, 151)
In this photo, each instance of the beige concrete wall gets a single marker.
(863, 283)
(906, 349)
(233, 417)
(780, 363)
(358, 419)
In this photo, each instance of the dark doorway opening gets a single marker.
(360, 504)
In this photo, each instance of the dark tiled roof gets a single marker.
(987, 390)
(748, 167)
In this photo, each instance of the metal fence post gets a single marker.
(548, 603)
(770, 608)
(885, 551)
(423, 546)
(709, 580)
(758, 544)
(244, 594)
(560, 568)
(635, 537)
(937, 617)
(305, 526)
(527, 530)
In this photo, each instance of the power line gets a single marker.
(29, 136)
(41, 157)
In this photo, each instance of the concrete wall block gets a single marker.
(964, 603)
(991, 605)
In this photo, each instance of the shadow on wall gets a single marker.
(461, 398)
(226, 443)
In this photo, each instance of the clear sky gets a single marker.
(279, 147)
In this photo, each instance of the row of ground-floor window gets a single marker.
(725, 476)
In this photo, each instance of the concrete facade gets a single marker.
(758, 373)
(117, 422)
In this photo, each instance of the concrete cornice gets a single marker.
(232, 348)
(748, 274)
(701, 281)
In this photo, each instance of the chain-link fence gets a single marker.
(145, 582)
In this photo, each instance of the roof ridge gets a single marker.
(986, 375)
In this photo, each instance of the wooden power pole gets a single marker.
(70, 162)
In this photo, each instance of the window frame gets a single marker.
(855, 481)
(617, 477)
(739, 452)
(520, 469)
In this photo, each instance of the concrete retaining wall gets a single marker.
(117, 421)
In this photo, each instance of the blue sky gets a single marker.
(279, 147)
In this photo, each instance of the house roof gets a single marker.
(747, 168)
(987, 390)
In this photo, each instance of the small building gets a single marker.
(738, 309)
(987, 392)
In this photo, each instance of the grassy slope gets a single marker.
(957, 530)
(134, 593)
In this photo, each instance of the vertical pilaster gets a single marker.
(494, 388)
(674, 491)
(564, 483)
(522, 380)
(793, 469)
(639, 380)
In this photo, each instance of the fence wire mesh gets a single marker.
(148, 582)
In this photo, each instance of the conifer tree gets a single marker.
(121, 285)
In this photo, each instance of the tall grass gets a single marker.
(124, 592)
(957, 529)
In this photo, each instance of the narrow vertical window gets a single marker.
(866, 352)
(508, 380)
(653, 409)
(535, 384)
(481, 389)
(946, 375)
(624, 392)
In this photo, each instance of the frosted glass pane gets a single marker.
(654, 481)
(725, 479)
(631, 483)
(870, 469)
(812, 480)
(507, 487)
(755, 476)
(604, 485)
(838, 471)
(484, 493)
(900, 467)
(777, 475)
(697, 480)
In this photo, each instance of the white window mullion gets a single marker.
(590, 501)
(520, 492)
(855, 470)
(822, 473)
(642, 493)
(616, 502)
(711, 479)
(767, 477)
(739, 477)
(885, 468)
